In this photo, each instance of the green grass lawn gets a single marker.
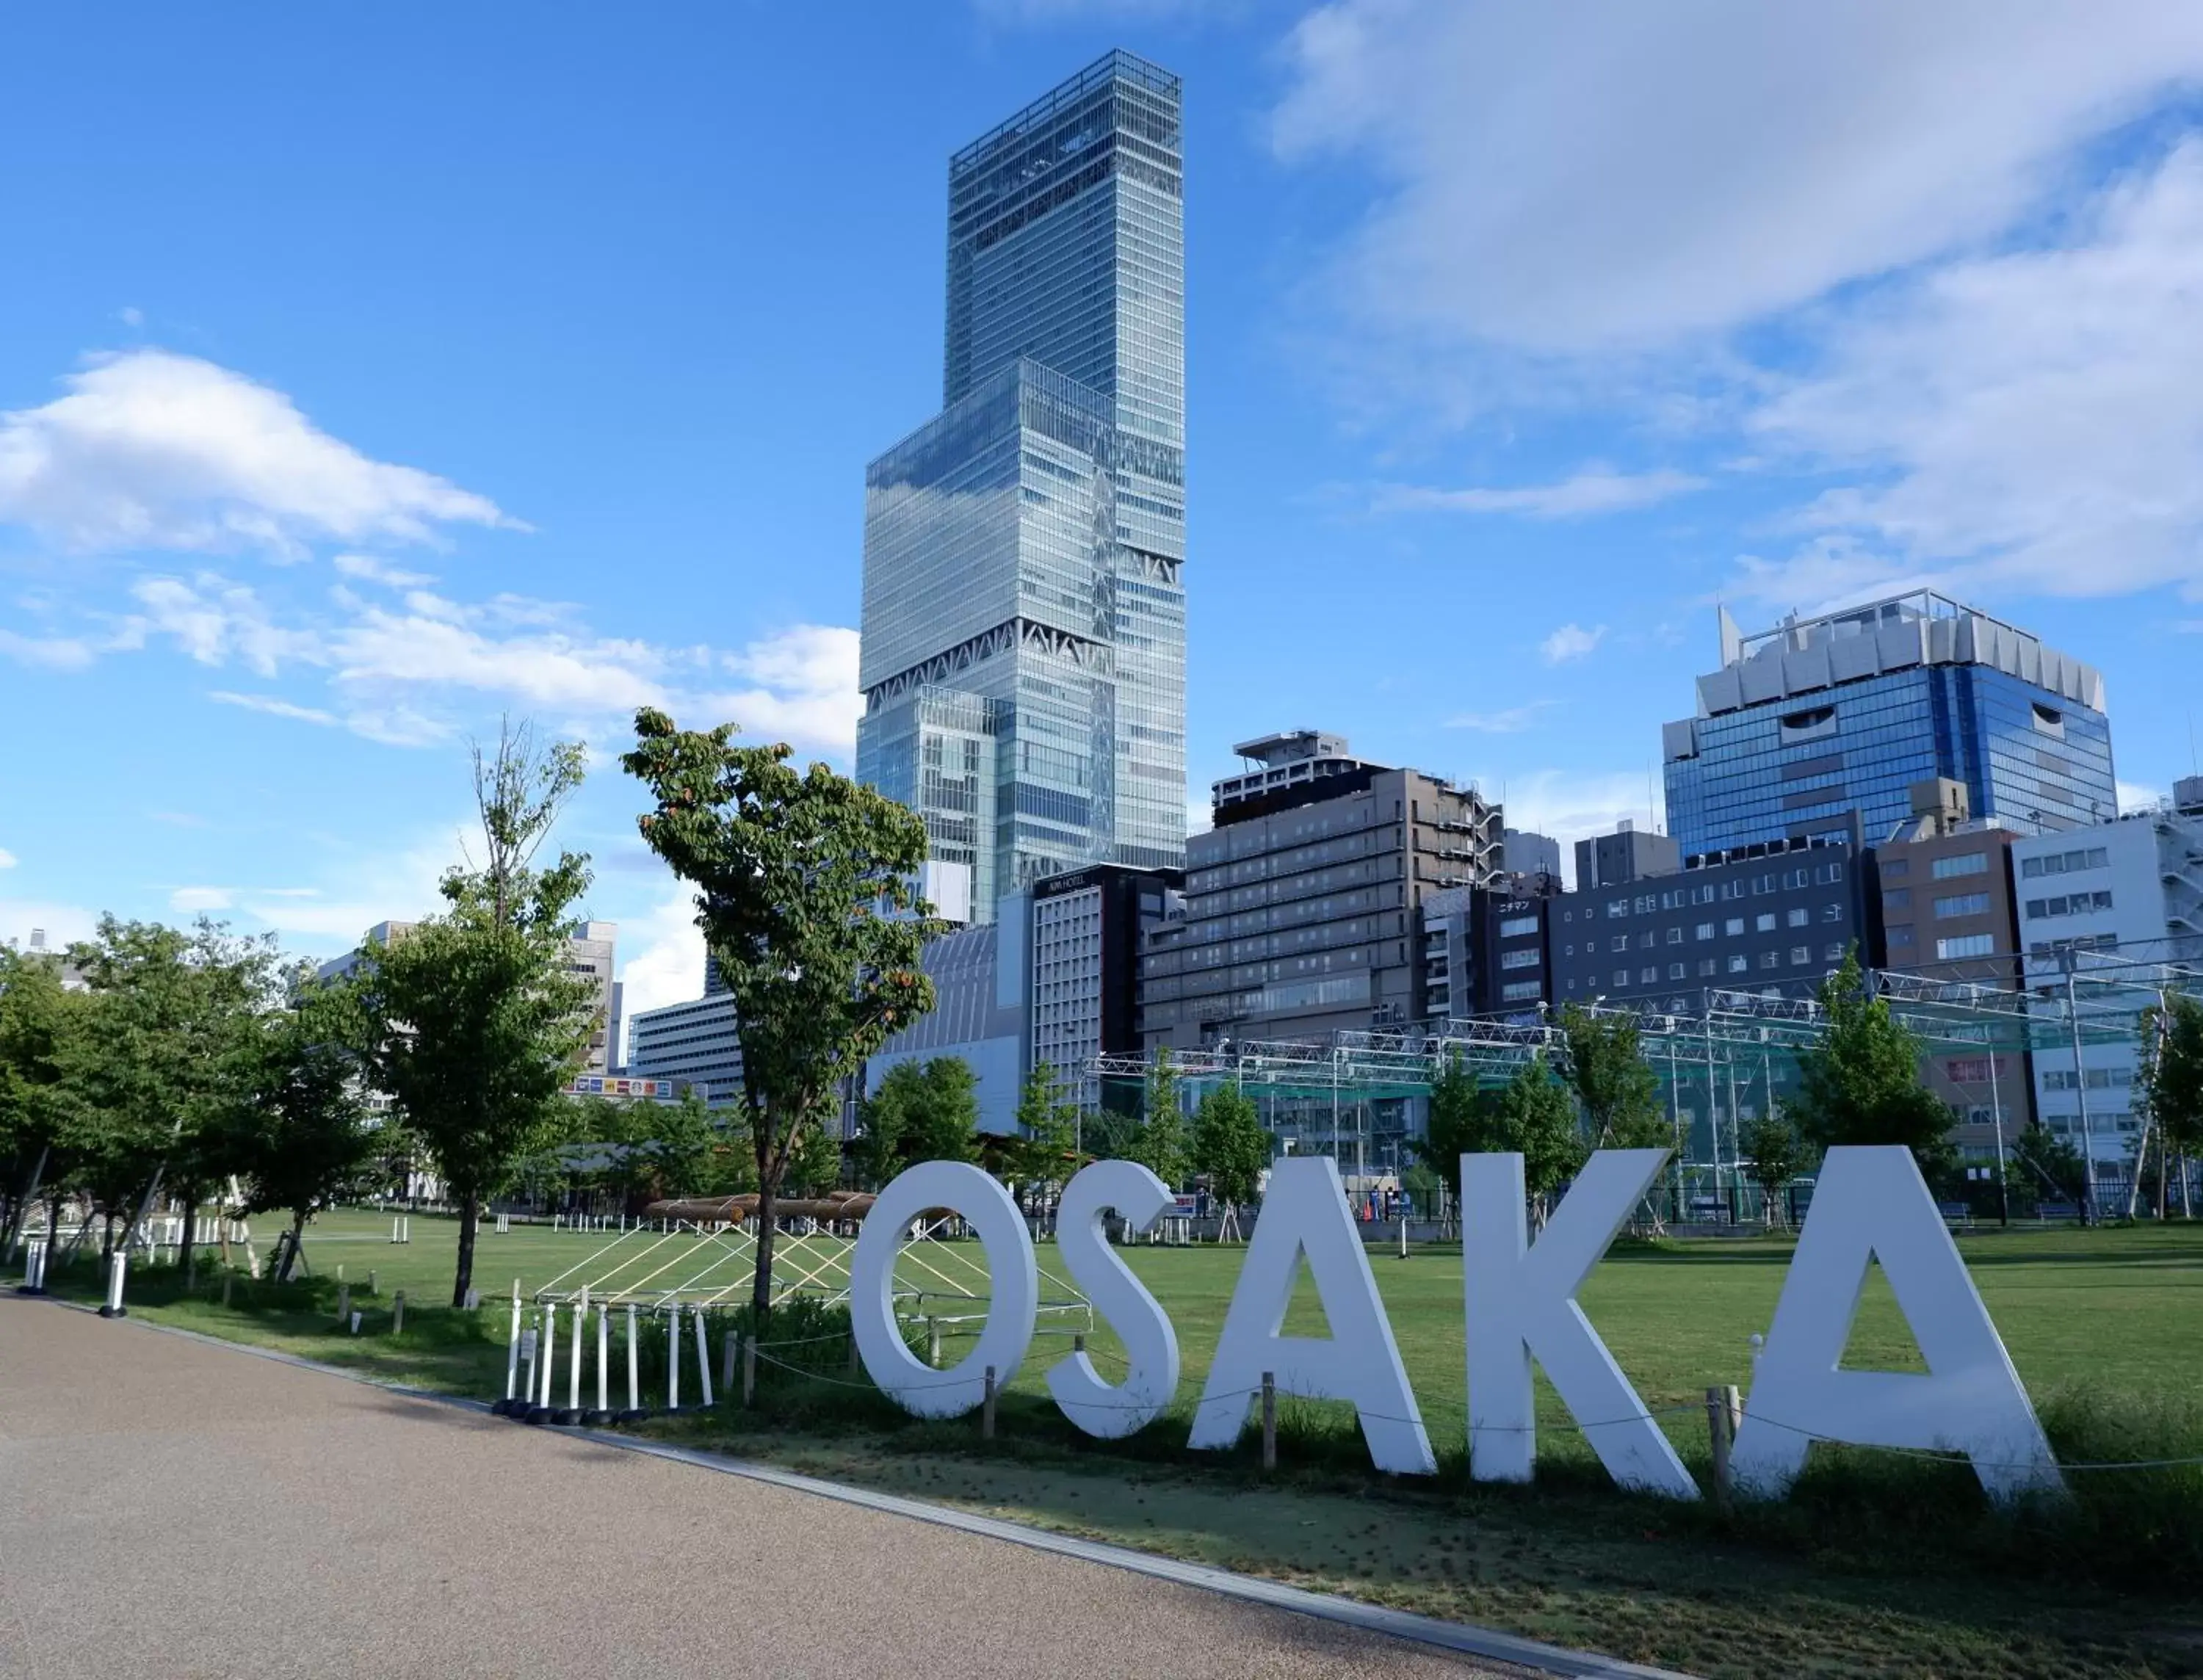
(1879, 1567)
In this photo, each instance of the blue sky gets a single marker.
(366, 373)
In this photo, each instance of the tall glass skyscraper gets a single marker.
(1819, 717)
(1024, 632)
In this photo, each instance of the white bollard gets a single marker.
(405, 1225)
(673, 1360)
(574, 1356)
(604, 1348)
(529, 1342)
(113, 1309)
(35, 1254)
(513, 1352)
(703, 1358)
(550, 1350)
(634, 1386)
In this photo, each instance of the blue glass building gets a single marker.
(1819, 717)
(1024, 621)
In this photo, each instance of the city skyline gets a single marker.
(565, 429)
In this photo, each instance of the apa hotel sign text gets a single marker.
(1518, 1301)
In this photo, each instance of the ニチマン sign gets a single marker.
(1518, 1304)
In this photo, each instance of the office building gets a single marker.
(1772, 919)
(693, 1045)
(2104, 914)
(981, 1012)
(1487, 951)
(592, 950)
(1629, 854)
(1024, 615)
(1523, 853)
(1303, 903)
(1087, 926)
(1942, 893)
(1816, 718)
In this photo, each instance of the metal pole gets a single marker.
(513, 1350)
(2071, 960)
(673, 1358)
(603, 1351)
(550, 1352)
(574, 1356)
(703, 1357)
(1996, 1114)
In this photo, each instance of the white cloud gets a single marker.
(1571, 641)
(1513, 720)
(193, 900)
(2025, 421)
(131, 316)
(1596, 490)
(53, 653)
(370, 570)
(7, 858)
(214, 620)
(2133, 796)
(1567, 178)
(148, 448)
(274, 707)
(667, 966)
(62, 924)
(807, 691)
(1570, 806)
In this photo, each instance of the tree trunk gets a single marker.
(296, 1248)
(107, 1242)
(470, 1217)
(761, 1283)
(191, 1235)
(19, 1212)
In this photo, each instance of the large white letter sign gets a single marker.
(1305, 1212)
(1871, 1201)
(986, 1206)
(1519, 1300)
(1150, 1343)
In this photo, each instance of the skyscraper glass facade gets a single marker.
(1813, 721)
(1024, 629)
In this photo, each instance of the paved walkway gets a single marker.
(171, 1508)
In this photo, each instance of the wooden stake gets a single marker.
(1717, 1432)
(397, 1313)
(1269, 1421)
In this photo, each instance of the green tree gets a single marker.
(1773, 1152)
(1158, 1142)
(2047, 1165)
(1532, 1115)
(1459, 1124)
(308, 1139)
(816, 1165)
(945, 1125)
(1045, 1154)
(805, 894)
(475, 1021)
(1603, 1062)
(166, 1059)
(38, 1019)
(1230, 1146)
(2169, 1088)
(885, 1121)
(1860, 1081)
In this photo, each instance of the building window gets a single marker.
(1966, 944)
(1770, 959)
(2075, 904)
(1968, 1070)
(1617, 907)
(1675, 971)
(1963, 862)
(1674, 936)
(1645, 940)
(1963, 903)
(1831, 912)
(1706, 966)
(1733, 926)
(1894, 867)
(1800, 917)
(1621, 978)
(1518, 959)
(1648, 976)
(1765, 923)
(1705, 930)
(1515, 927)
(2062, 863)
(1620, 942)
(1519, 990)
(1738, 964)
(1800, 955)
(1831, 952)
(1899, 897)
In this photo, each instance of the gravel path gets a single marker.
(171, 1508)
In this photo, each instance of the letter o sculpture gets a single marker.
(986, 1206)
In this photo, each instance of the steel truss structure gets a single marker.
(1718, 1069)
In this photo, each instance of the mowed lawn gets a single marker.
(2119, 1309)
